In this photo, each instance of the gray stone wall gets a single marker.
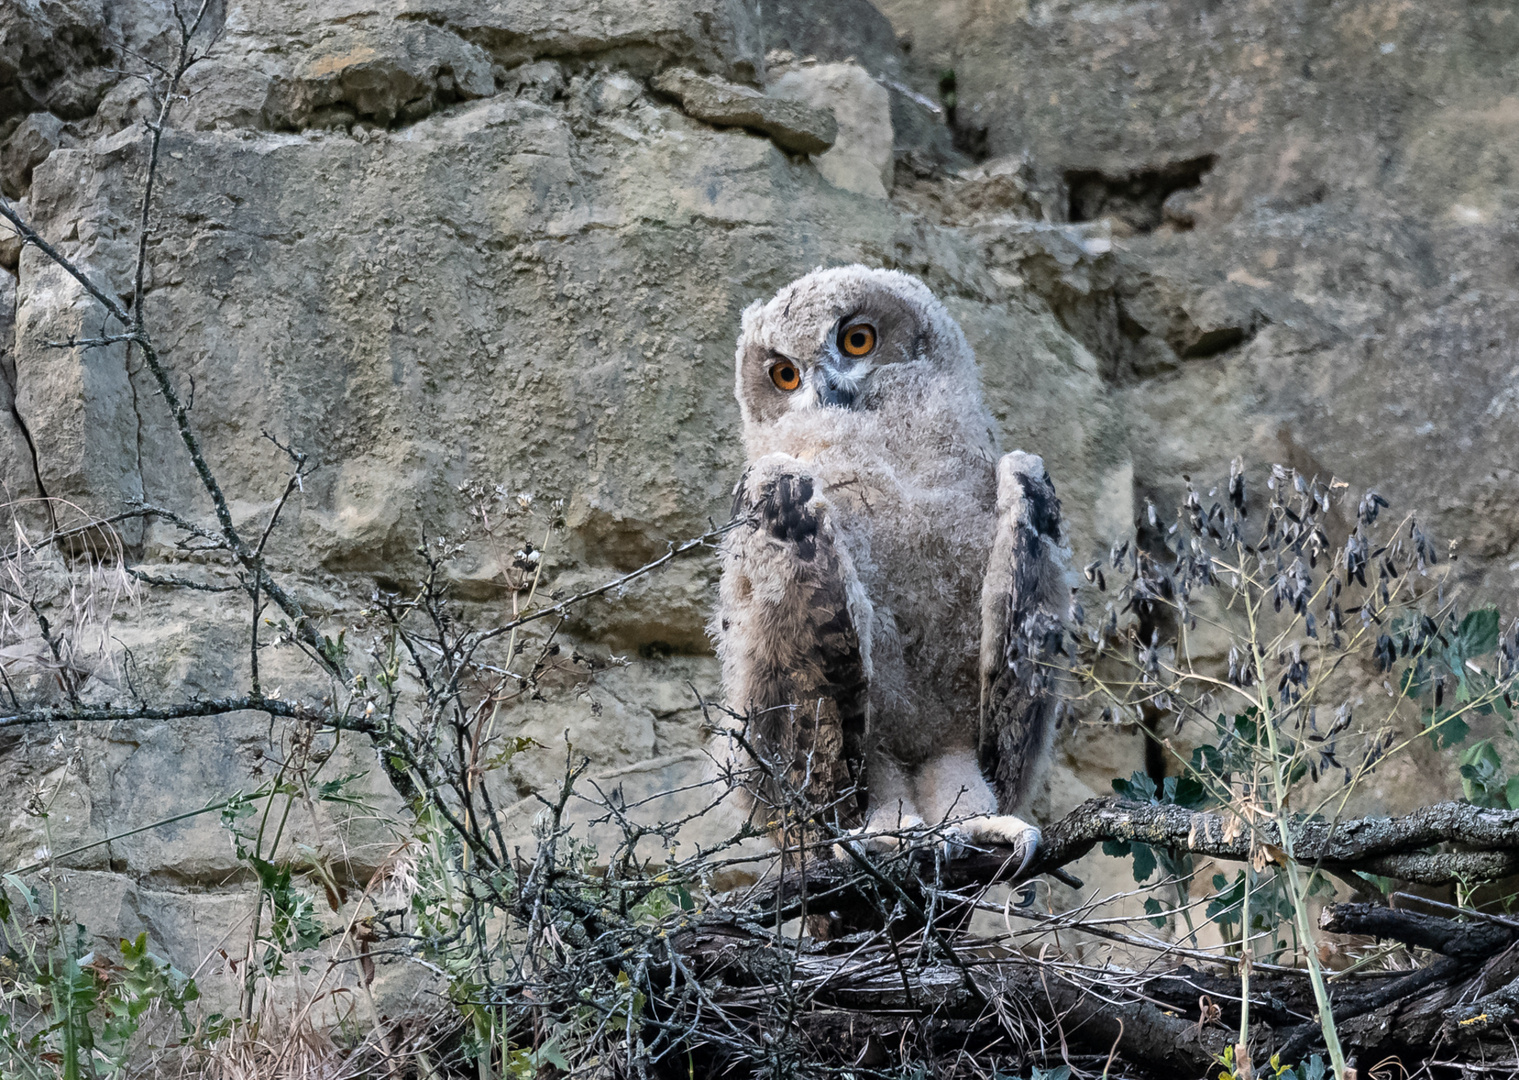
(472, 259)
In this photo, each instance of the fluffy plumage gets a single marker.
(883, 604)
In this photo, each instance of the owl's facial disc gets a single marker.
(839, 381)
(845, 363)
(805, 353)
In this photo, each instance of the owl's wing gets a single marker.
(1020, 627)
(790, 643)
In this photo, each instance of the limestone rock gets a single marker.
(29, 145)
(10, 254)
(856, 32)
(84, 412)
(542, 81)
(721, 38)
(796, 128)
(56, 57)
(17, 474)
(833, 31)
(861, 159)
(354, 76)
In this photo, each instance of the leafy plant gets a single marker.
(81, 1014)
(1266, 638)
(1311, 1069)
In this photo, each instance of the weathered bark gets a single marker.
(1462, 940)
(1379, 1013)
(1392, 847)
(842, 1003)
(1488, 842)
(983, 1000)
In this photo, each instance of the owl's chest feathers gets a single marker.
(919, 545)
(912, 500)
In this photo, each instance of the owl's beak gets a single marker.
(839, 380)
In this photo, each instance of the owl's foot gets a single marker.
(873, 840)
(1003, 830)
(785, 510)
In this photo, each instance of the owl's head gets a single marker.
(845, 341)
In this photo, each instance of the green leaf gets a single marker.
(550, 1053)
(1319, 885)
(133, 951)
(1207, 761)
(333, 788)
(1139, 787)
(1479, 632)
(26, 892)
(1445, 729)
(1143, 854)
(1511, 792)
(1152, 909)
(1482, 776)
(509, 749)
(1414, 681)
(1189, 793)
(1225, 906)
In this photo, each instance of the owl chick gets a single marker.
(888, 597)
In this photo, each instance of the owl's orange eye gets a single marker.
(785, 376)
(859, 339)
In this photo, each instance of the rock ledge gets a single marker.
(794, 127)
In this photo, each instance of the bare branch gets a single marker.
(706, 539)
(176, 582)
(184, 710)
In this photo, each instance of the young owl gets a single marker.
(889, 596)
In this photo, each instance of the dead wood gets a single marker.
(1162, 1029)
(1461, 940)
(1486, 844)
(1487, 840)
(1006, 998)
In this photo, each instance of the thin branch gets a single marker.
(174, 581)
(706, 539)
(195, 707)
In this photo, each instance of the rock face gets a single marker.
(1312, 217)
(861, 158)
(485, 262)
(792, 126)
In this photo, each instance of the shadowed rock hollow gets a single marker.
(489, 258)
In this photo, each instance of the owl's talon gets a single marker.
(1003, 830)
(872, 840)
(953, 842)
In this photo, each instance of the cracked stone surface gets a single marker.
(793, 125)
(459, 247)
(860, 158)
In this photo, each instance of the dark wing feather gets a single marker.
(1020, 630)
(791, 652)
